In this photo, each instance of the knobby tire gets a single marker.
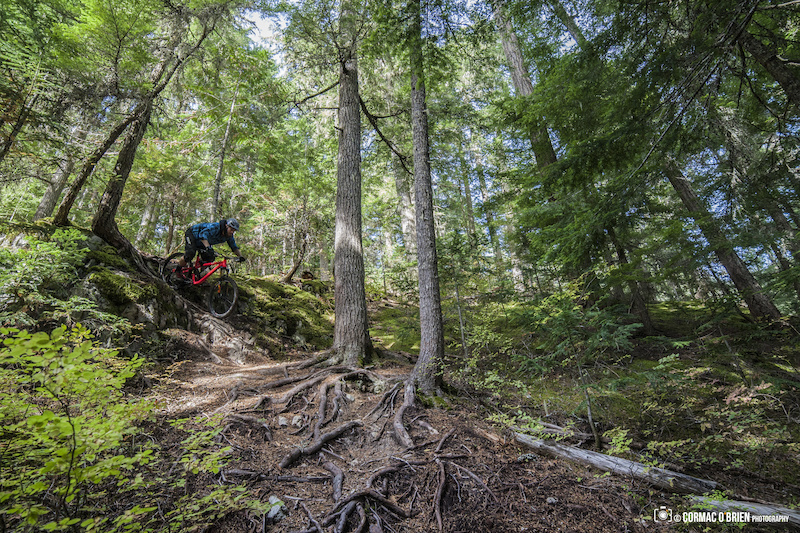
(168, 270)
(222, 297)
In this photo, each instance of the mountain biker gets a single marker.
(201, 237)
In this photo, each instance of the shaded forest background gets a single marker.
(648, 146)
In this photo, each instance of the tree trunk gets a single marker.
(427, 371)
(638, 300)
(761, 307)
(22, 118)
(706, 503)
(659, 477)
(569, 22)
(782, 71)
(62, 215)
(539, 136)
(104, 223)
(215, 212)
(54, 189)
(350, 335)
(149, 215)
(469, 210)
(745, 156)
(408, 224)
(301, 254)
(160, 77)
(491, 225)
(170, 228)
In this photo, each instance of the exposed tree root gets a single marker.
(317, 445)
(435, 467)
(437, 500)
(399, 429)
(476, 479)
(377, 497)
(249, 420)
(252, 475)
(337, 477)
(316, 525)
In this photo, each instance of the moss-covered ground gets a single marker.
(711, 395)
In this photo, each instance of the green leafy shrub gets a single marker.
(35, 283)
(32, 278)
(570, 334)
(72, 453)
(65, 422)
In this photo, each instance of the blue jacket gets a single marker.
(213, 233)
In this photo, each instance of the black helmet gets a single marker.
(232, 223)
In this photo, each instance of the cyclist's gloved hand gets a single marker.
(241, 259)
(208, 254)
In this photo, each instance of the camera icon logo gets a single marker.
(662, 514)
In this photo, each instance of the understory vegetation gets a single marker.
(87, 446)
(720, 396)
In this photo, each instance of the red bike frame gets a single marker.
(199, 266)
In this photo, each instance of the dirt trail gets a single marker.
(463, 475)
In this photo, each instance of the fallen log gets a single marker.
(659, 477)
(774, 512)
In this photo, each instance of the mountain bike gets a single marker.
(224, 292)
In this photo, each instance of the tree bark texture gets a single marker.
(426, 373)
(759, 303)
(104, 223)
(540, 138)
(350, 334)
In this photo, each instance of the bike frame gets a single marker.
(199, 266)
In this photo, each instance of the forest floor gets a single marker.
(463, 474)
(491, 484)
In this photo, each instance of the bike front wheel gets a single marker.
(222, 297)
(169, 270)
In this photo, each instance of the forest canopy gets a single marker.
(649, 146)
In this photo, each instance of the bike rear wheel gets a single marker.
(169, 270)
(222, 297)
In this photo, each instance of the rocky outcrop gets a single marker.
(125, 307)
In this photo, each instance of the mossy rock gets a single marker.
(121, 290)
(315, 286)
(107, 255)
(287, 310)
(433, 401)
